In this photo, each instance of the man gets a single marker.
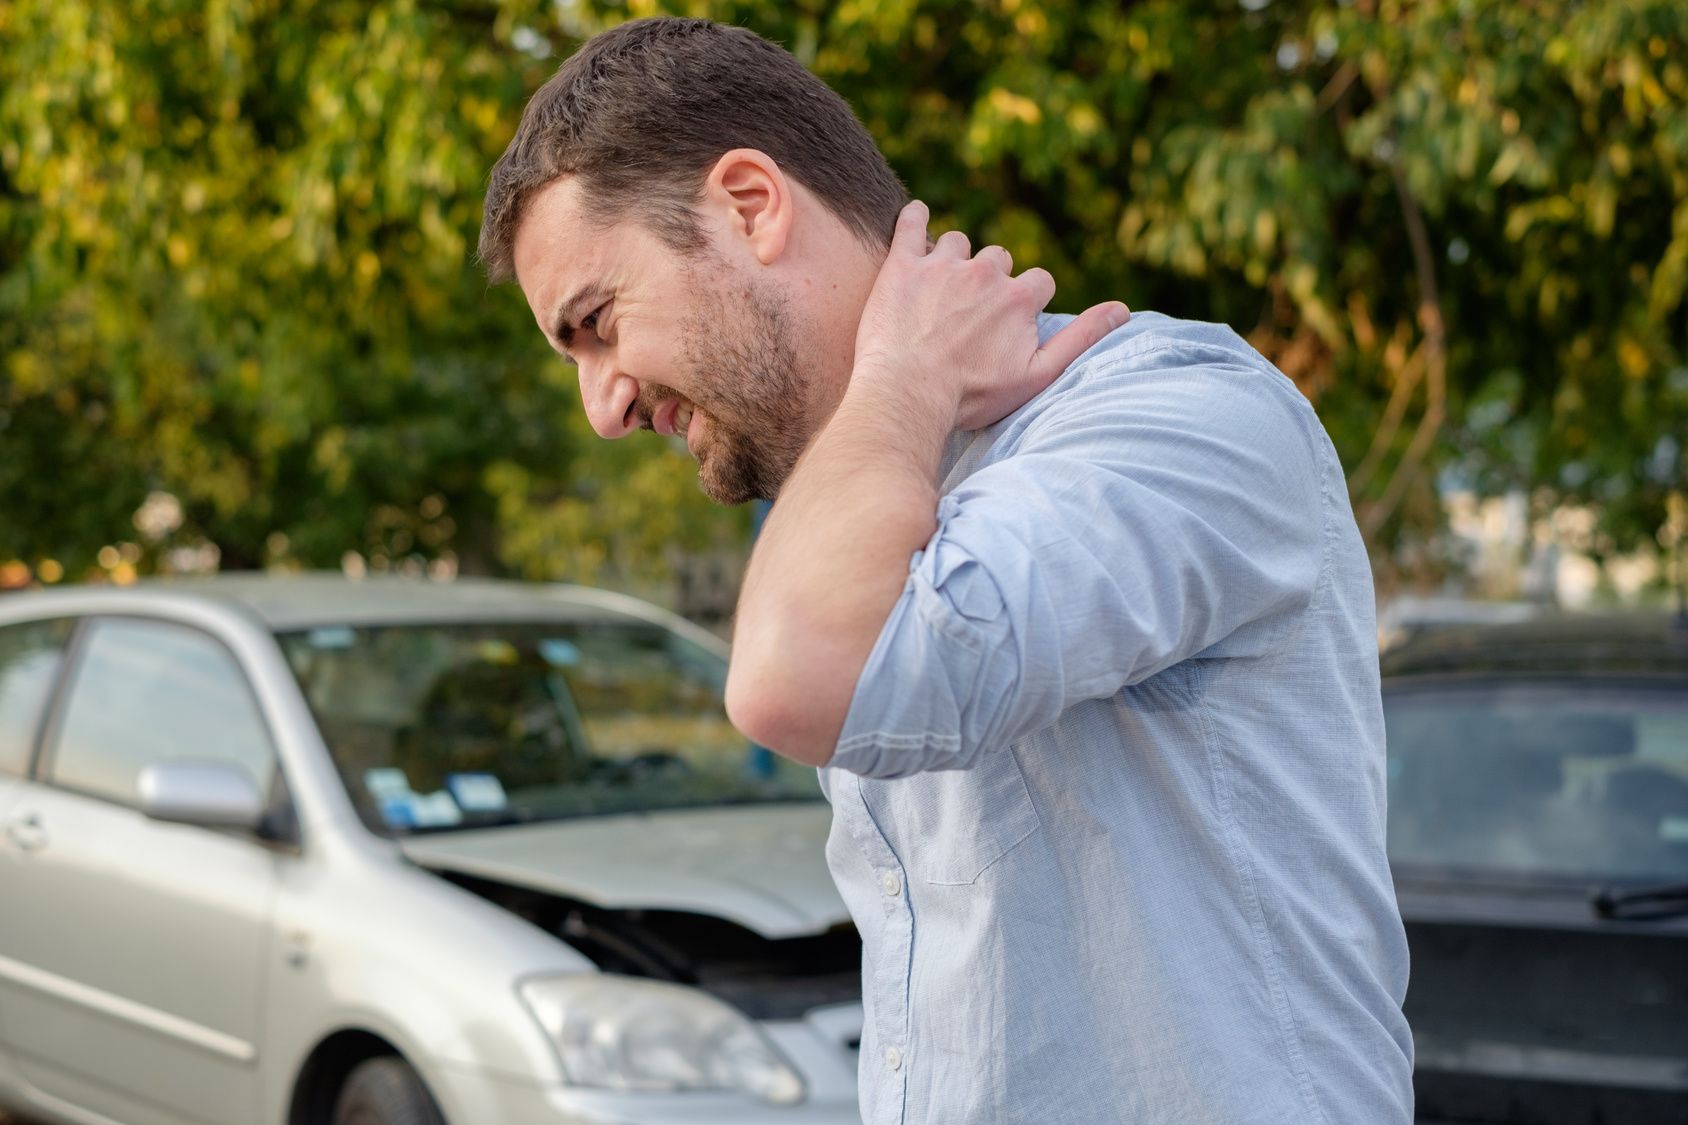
(1072, 611)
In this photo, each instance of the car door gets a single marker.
(30, 656)
(31, 653)
(132, 949)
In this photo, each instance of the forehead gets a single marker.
(552, 240)
(560, 246)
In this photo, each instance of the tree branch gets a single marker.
(1434, 350)
(1407, 378)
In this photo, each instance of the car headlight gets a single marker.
(624, 1033)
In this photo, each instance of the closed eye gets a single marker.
(565, 332)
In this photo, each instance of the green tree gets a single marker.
(237, 246)
(234, 249)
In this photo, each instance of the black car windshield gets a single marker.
(447, 727)
(1574, 780)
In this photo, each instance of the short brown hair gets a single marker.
(642, 113)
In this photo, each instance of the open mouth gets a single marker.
(673, 418)
(676, 418)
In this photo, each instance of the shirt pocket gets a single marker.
(949, 826)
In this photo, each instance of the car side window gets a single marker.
(30, 654)
(145, 692)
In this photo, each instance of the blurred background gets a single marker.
(242, 329)
(241, 325)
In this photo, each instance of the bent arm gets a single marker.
(831, 561)
(1159, 516)
(946, 341)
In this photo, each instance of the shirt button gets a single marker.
(893, 885)
(893, 1058)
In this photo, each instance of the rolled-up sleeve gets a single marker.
(1168, 506)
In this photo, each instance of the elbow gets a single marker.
(767, 709)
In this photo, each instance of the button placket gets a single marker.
(889, 979)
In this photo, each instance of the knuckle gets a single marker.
(1032, 291)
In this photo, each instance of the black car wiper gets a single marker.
(1641, 904)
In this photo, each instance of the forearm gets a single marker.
(946, 340)
(831, 562)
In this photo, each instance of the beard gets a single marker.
(741, 355)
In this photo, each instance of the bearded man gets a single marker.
(1071, 611)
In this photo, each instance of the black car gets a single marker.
(1538, 830)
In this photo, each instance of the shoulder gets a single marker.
(1171, 374)
(1150, 334)
(1176, 415)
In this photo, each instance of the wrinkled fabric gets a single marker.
(1109, 799)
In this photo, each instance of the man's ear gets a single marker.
(749, 193)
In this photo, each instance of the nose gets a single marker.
(608, 396)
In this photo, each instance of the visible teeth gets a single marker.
(682, 418)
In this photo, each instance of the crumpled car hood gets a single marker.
(763, 867)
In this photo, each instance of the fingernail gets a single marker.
(1117, 316)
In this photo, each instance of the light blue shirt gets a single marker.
(1109, 800)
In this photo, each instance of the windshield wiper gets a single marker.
(1641, 904)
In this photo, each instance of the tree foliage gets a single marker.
(238, 268)
(235, 249)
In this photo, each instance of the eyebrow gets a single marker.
(569, 310)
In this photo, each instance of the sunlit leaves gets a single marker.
(235, 247)
(238, 269)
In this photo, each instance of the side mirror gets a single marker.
(209, 794)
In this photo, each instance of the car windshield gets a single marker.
(1569, 780)
(446, 727)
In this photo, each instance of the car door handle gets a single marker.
(26, 833)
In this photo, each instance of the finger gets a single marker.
(910, 235)
(1039, 286)
(953, 244)
(999, 257)
(1077, 337)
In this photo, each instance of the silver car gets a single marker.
(301, 850)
